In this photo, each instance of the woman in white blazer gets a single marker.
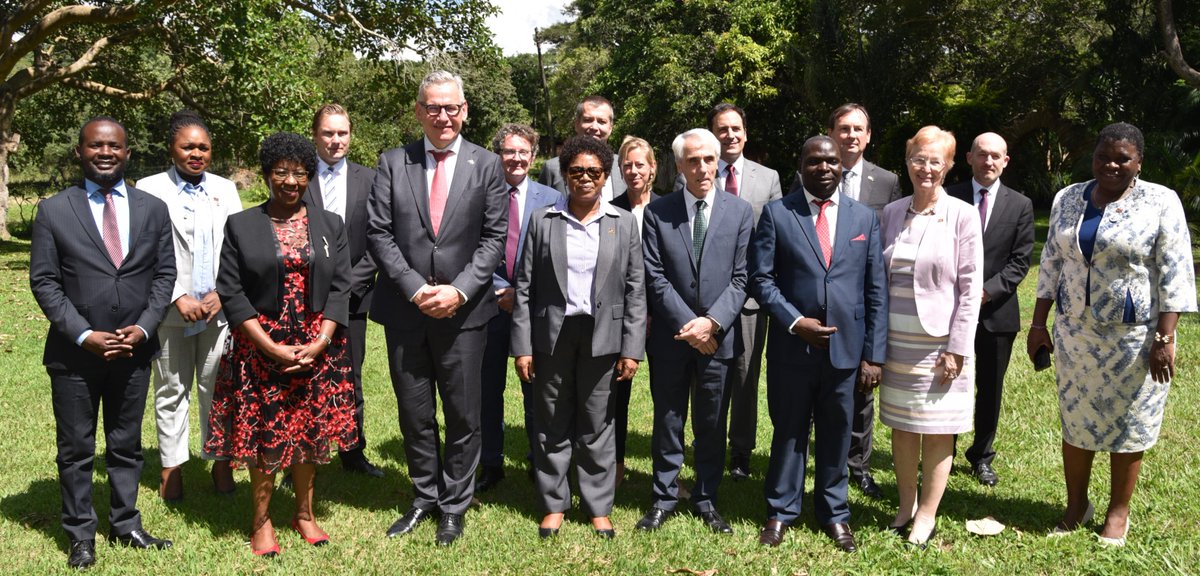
(193, 332)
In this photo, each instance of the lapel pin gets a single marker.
(612, 230)
(326, 246)
(871, 178)
(471, 161)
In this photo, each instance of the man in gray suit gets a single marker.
(850, 127)
(757, 185)
(593, 117)
(343, 187)
(694, 242)
(438, 218)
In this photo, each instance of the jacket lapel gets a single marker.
(608, 247)
(802, 210)
(136, 202)
(685, 231)
(714, 220)
(414, 165)
(77, 198)
(463, 166)
(558, 251)
(840, 240)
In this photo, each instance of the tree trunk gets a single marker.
(8, 145)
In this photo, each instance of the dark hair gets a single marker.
(845, 109)
(287, 146)
(722, 108)
(102, 118)
(520, 130)
(1123, 132)
(331, 109)
(180, 120)
(578, 145)
(593, 100)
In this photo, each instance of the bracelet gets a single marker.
(328, 341)
(1164, 338)
(1037, 327)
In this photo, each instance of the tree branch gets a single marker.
(335, 19)
(23, 14)
(1172, 49)
(30, 80)
(113, 92)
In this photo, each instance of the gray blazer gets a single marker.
(552, 176)
(878, 188)
(619, 303)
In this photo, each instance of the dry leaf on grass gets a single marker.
(985, 527)
(708, 572)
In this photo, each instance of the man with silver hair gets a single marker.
(436, 253)
(694, 241)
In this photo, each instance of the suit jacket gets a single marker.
(948, 272)
(552, 176)
(536, 196)
(225, 201)
(79, 288)
(619, 296)
(878, 187)
(359, 181)
(677, 288)
(789, 278)
(465, 253)
(252, 275)
(1007, 251)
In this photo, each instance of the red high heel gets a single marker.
(271, 552)
(321, 540)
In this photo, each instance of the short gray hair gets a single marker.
(703, 134)
(440, 77)
(519, 130)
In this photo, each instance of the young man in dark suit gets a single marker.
(102, 268)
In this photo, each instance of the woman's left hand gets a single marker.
(951, 363)
(1162, 362)
(626, 368)
(307, 356)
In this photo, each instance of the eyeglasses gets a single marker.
(931, 163)
(519, 154)
(281, 174)
(593, 173)
(435, 110)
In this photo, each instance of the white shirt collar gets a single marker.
(338, 167)
(857, 168)
(708, 198)
(976, 186)
(453, 147)
(836, 198)
(738, 166)
(94, 188)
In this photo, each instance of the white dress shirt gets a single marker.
(738, 171)
(450, 162)
(852, 183)
(333, 191)
(690, 202)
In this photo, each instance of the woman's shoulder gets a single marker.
(156, 184)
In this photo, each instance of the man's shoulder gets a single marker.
(871, 168)
(539, 188)
(752, 166)
(359, 169)
(961, 190)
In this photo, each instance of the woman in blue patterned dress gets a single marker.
(1118, 262)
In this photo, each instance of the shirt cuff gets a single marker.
(82, 337)
(792, 326)
(417, 293)
(715, 323)
(462, 295)
(144, 332)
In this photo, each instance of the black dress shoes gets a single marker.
(450, 528)
(489, 477)
(772, 533)
(715, 523)
(653, 520)
(140, 539)
(408, 522)
(866, 484)
(841, 535)
(739, 468)
(984, 473)
(83, 554)
(355, 462)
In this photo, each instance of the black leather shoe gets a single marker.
(489, 477)
(739, 468)
(140, 539)
(545, 533)
(715, 522)
(653, 520)
(450, 528)
(841, 535)
(772, 533)
(83, 554)
(866, 484)
(607, 534)
(407, 522)
(984, 473)
(355, 462)
(902, 530)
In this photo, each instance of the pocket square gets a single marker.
(859, 238)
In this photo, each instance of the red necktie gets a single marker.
(731, 185)
(439, 191)
(823, 231)
(112, 233)
(514, 232)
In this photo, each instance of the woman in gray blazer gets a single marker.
(579, 325)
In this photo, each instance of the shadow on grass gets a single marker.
(37, 508)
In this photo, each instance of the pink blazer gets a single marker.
(948, 273)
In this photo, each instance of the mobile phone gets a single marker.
(1041, 359)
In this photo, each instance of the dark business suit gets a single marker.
(79, 288)
(552, 176)
(1007, 250)
(682, 286)
(495, 357)
(574, 356)
(359, 181)
(807, 385)
(423, 352)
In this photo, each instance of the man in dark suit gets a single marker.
(757, 185)
(866, 183)
(517, 145)
(343, 187)
(694, 241)
(1007, 219)
(593, 117)
(437, 224)
(102, 268)
(817, 267)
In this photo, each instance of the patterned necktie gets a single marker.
(112, 233)
(699, 228)
(331, 193)
(983, 205)
(731, 183)
(439, 191)
(847, 187)
(514, 232)
(823, 231)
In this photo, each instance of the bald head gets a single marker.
(988, 158)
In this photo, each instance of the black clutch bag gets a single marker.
(1041, 359)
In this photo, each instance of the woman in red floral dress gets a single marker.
(284, 392)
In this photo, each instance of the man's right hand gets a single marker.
(190, 308)
(107, 345)
(813, 332)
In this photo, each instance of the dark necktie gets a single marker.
(731, 183)
(983, 201)
(112, 233)
(699, 228)
(514, 232)
(439, 190)
(823, 231)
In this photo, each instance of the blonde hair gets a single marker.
(631, 143)
(932, 135)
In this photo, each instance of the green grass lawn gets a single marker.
(210, 532)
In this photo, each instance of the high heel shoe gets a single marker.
(1062, 529)
(545, 532)
(1119, 541)
(902, 530)
(321, 540)
(924, 544)
(270, 552)
(605, 533)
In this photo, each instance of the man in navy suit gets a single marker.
(817, 267)
(102, 268)
(694, 242)
(517, 144)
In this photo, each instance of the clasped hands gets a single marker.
(193, 310)
(440, 301)
(699, 333)
(297, 358)
(113, 345)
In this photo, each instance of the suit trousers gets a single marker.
(861, 435)
(427, 365)
(356, 336)
(120, 391)
(494, 380)
(574, 406)
(183, 360)
(742, 394)
(673, 378)
(801, 395)
(992, 353)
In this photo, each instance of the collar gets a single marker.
(180, 183)
(93, 189)
(522, 186)
(809, 198)
(976, 187)
(857, 168)
(708, 198)
(453, 147)
(338, 167)
(739, 165)
(606, 209)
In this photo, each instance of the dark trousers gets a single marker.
(120, 390)
(861, 440)
(673, 378)
(357, 337)
(494, 379)
(800, 395)
(992, 353)
(427, 365)
(742, 392)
